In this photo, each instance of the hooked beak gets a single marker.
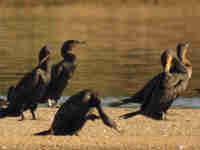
(168, 64)
(81, 43)
(76, 43)
(44, 59)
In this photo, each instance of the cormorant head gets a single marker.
(44, 54)
(68, 45)
(92, 98)
(95, 99)
(182, 49)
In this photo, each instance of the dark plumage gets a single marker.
(74, 113)
(28, 92)
(158, 94)
(171, 83)
(62, 72)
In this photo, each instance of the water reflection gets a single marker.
(123, 51)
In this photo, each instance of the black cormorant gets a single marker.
(28, 92)
(158, 94)
(62, 72)
(74, 113)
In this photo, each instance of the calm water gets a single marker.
(124, 44)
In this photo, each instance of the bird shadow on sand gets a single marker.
(130, 115)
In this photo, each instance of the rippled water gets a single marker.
(124, 44)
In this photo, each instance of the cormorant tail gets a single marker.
(128, 115)
(43, 133)
(132, 99)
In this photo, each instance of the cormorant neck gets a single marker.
(183, 53)
(187, 63)
(185, 60)
(67, 56)
(46, 66)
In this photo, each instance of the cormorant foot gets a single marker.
(76, 134)
(164, 118)
(34, 118)
(118, 130)
(22, 119)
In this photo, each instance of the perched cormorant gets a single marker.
(158, 94)
(169, 87)
(62, 72)
(74, 113)
(28, 92)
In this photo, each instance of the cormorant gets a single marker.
(169, 87)
(74, 113)
(28, 92)
(158, 94)
(62, 72)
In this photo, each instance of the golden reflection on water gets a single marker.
(124, 44)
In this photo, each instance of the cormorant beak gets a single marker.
(80, 43)
(168, 64)
(76, 43)
(83, 43)
(44, 59)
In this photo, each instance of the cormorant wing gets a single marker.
(56, 70)
(106, 120)
(142, 95)
(73, 108)
(173, 79)
(27, 83)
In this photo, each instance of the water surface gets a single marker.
(124, 44)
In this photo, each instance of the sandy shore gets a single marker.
(180, 131)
